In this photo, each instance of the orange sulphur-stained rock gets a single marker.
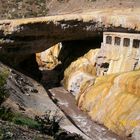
(114, 100)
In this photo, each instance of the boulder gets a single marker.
(48, 59)
(80, 71)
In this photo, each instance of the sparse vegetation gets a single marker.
(8, 115)
(23, 8)
(45, 126)
(5, 135)
(3, 92)
(49, 124)
(25, 121)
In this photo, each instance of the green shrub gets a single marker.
(49, 124)
(25, 121)
(46, 124)
(6, 114)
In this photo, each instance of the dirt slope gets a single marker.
(29, 8)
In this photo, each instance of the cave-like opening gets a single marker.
(70, 51)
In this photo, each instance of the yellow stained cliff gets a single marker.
(111, 99)
(114, 100)
(48, 59)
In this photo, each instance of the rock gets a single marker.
(105, 81)
(26, 95)
(80, 72)
(25, 9)
(67, 104)
(29, 98)
(114, 101)
(48, 59)
(110, 95)
(136, 133)
(37, 34)
(11, 131)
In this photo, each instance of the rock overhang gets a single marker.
(37, 34)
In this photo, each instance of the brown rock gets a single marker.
(37, 34)
(48, 59)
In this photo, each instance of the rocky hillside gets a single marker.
(29, 8)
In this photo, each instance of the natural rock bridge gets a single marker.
(37, 34)
(95, 94)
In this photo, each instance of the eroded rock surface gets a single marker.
(92, 129)
(37, 34)
(114, 101)
(110, 93)
(80, 71)
(48, 59)
(29, 98)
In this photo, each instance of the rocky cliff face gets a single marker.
(35, 35)
(80, 71)
(105, 89)
(113, 100)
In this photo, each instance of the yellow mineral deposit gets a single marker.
(106, 82)
(48, 59)
(114, 100)
(79, 72)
